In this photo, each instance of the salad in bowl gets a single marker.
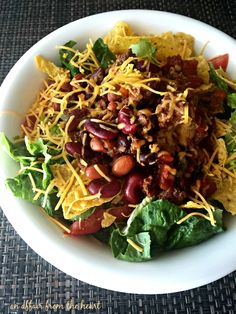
(131, 140)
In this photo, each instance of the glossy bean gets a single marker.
(124, 118)
(110, 189)
(92, 173)
(123, 165)
(97, 145)
(133, 188)
(101, 131)
(107, 189)
(73, 148)
(73, 125)
(95, 186)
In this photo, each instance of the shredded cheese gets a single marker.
(102, 174)
(135, 245)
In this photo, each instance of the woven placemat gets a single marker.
(27, 282)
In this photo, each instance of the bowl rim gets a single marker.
(92, 277)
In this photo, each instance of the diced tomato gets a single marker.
(220, 61)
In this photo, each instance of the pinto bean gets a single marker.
(133, 188)
(97, 145)
(102, 132)
(92, 173)
(123, 165)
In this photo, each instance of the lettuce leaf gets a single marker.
(17, 151)
(153, 227)
(193, 231)
(123, 250)
(21, 187)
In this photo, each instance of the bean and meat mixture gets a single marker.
(138, 134)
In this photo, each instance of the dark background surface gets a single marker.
(25, 276)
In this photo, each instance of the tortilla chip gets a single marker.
(203, 69)
(107, 220)
(226, 194)
(53, 71)
(222, 151)
(168, 44)
(72, 205)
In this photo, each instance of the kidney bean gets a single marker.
(73, 125)
(92, 173)
(95, 186)
(73, 148)
(107, 189)
(92, 223)
(133, 188)
(102, 133)
(110, 189)
(97, 145)
(88, 225)
(121, 212)
(124, 117)
(123, 165)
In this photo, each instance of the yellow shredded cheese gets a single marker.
(135, 245)
(102, 174)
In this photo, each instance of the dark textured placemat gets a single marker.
(25, 278)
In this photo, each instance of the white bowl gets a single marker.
(85, 258)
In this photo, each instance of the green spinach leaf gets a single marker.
(103, 53)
